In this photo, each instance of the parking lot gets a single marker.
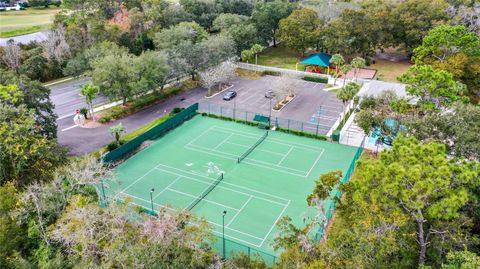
(312, 105)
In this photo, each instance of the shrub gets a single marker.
(104, 119)
(270, 73)
(144, 101)
(176, 110)
(113, 146)
(84, 112)
(316, 79)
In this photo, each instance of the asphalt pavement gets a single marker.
(67, 100)
(80, 141)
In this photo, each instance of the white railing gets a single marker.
(341, 117)
(331, 79)
(261, 68)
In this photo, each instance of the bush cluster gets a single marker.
(270, 73)
(117, 112)
(316, 79)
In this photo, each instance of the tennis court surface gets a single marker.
(200, 159)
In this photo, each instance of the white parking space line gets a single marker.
(68, 128)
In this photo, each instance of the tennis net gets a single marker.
(244, 155)
(205, 193)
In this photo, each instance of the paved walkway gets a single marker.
(25, 39)
(81, 141)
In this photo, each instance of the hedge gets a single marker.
(316, 79)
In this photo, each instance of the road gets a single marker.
(80, 141)
(67, 99)
(25, 39)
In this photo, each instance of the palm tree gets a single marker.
(116, 131)
(345, 69)
(256, 49)
(90, 93)
(246, 55)
(358, 63)
(347, 93)
(337, 60)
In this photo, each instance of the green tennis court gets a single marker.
(202, 157)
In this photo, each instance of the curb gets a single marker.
(208, 97)
(285, 104)
(58, 82)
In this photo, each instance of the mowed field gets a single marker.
(13, 23)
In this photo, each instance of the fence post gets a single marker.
(316, 133)
(302, 126)
(221, 111)
(209, 108)
(288, 125)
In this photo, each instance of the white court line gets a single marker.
(290, 150)
(148, 172)
(280, 141)
(257, 149)
(211, 222)
(141, 199)
(275, 223)
(204, 132)
(221, 143)
(206, 200)
(251, 159)
(71, 127)
(173, 182)
(237, 239)
(237, 231)
(225, 188)
(226, 183)
(240, 210)
(244, 161)
(319, 156)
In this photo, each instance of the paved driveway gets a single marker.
(312, 104)
(67, 99)
(81, 141)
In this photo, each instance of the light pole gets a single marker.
(223, 231)
(270, 113)
(234, 107)
(151, 199)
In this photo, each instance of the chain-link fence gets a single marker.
(243, 115)
(330, 204)
(229, 249)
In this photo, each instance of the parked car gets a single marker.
(229, 95)
(269, 94)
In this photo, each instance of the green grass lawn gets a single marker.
(285, 58)
(388, 70)
(13, 23)
(279, 57)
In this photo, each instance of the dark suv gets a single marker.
(229, 95)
